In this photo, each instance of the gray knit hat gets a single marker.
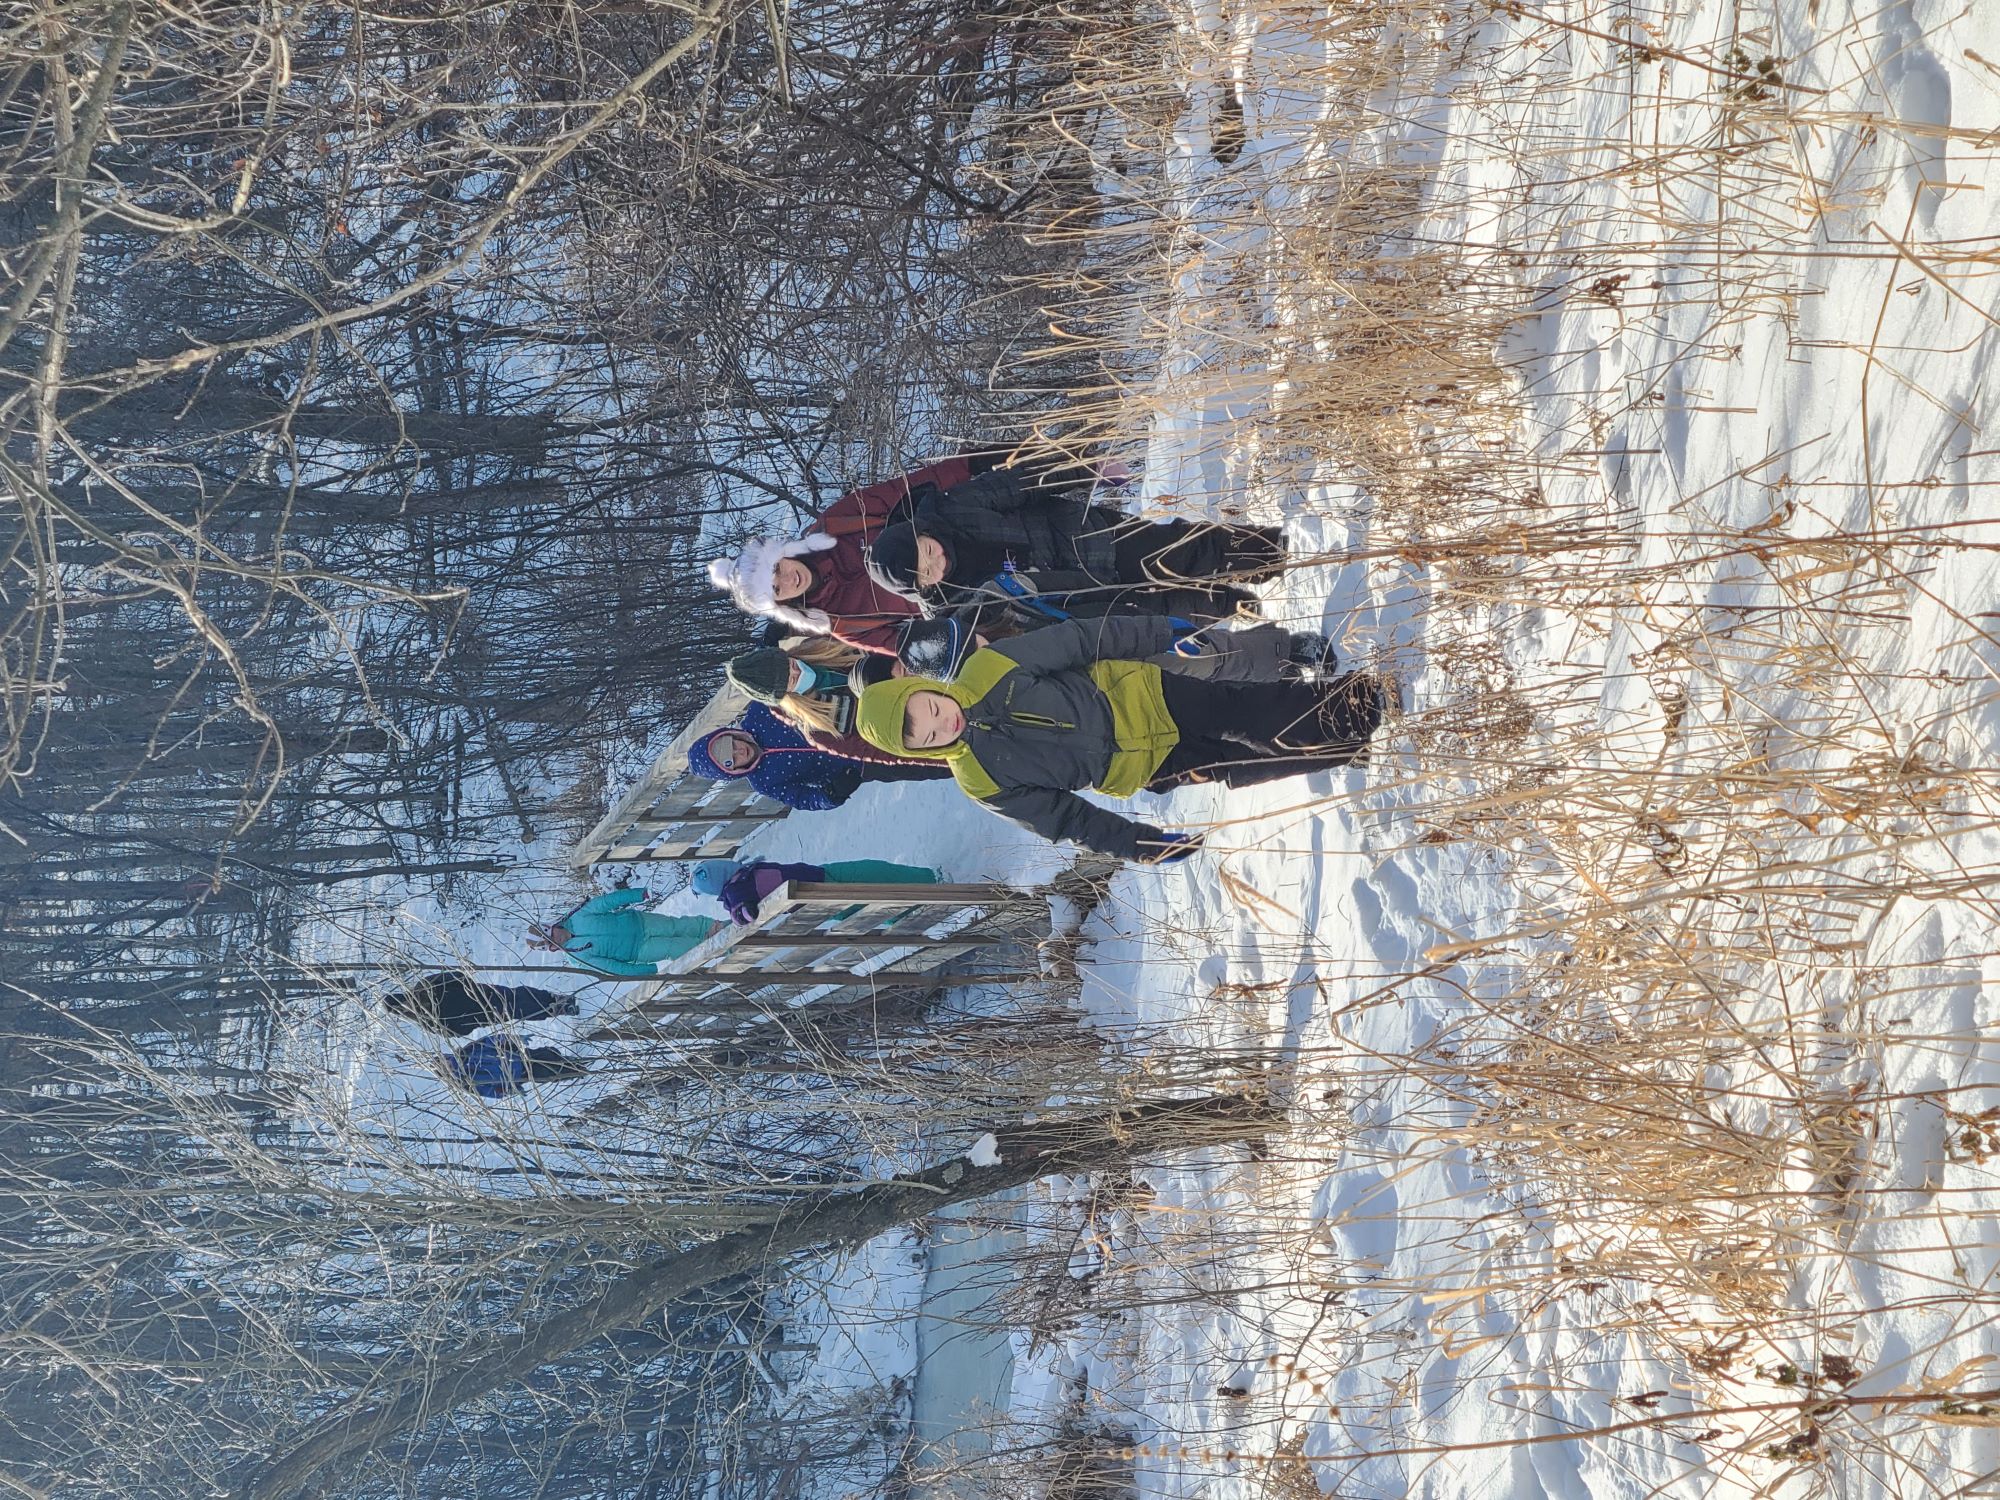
(764, 675)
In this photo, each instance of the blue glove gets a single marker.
(1187, 639)
(1169, 848)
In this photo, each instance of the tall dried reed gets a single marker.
(1724, 807)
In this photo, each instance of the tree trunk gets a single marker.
(836, 1221)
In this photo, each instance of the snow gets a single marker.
(859, 1307)
(985, 1152)
(392, 1113)
(1380, 1307)
(860, 1312)
(962, 1387)
(1384, 1310)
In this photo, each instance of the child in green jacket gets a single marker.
(1028, 723)
(607, 934)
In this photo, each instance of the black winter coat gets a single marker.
(1089, 560)
(1004, 517)
(1042, 596)
(454, 1004)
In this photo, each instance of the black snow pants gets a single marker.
(1243, 733)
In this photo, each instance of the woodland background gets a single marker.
(374, 384)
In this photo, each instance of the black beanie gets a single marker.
(892, 558)
(871, 669)
(765, 675)
(933, 648)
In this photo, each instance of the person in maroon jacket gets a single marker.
(818, 581)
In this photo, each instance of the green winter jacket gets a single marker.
(1048, 714)
(608, 936)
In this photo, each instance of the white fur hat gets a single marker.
(749, 577)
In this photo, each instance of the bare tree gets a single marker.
(372, 387)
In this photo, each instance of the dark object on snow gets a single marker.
(1314, 654)
(495, 1066)
(1243, 734)
(1228, 140)
(453, 1004)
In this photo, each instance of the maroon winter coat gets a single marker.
(860, 611)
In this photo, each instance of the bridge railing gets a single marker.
(670, 813)
(813, 941)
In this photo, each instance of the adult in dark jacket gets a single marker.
(1030, 722)
(1034, 597)
(1243, 653)
(806, 683)
(780, 763)
(819, 582)
(454, 1004)
(946, 548)
(741, 887)
(495, 1066)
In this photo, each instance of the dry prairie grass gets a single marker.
(1686, 1074)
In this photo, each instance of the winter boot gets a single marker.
(1255, 554)
(1353, 709)
(1312, 657)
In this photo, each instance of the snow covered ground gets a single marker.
(1759, 307)
(1754, 310)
